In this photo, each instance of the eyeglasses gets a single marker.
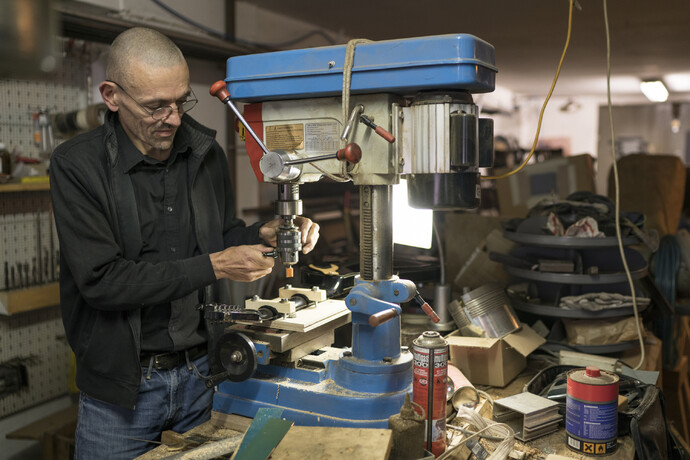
(161, 113)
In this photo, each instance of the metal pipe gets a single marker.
(376, 232)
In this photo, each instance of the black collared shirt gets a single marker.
(161, 189)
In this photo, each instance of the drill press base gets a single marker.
(311, 397)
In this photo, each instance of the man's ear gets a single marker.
(107, 90)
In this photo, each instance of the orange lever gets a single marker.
(220, 90)
(377, 129)
(430, 312)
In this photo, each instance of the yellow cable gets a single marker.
(617, 186)
(546, 101)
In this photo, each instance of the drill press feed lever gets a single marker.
(284, 167)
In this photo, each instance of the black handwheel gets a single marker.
(237, 355)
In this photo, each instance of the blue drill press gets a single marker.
(370, 113)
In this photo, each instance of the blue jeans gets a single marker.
(175, 399)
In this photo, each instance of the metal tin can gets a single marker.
(429, 387)
(591, 419)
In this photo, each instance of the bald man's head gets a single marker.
(140, 46)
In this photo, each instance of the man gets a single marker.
(147, 230)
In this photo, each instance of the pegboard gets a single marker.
(27, 230)
(67, 90)
(28, 240)
(39, 337)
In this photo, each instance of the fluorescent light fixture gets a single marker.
(654, 90)
(411, 227)
(678, 82)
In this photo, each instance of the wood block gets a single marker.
(230, 421)
(334, 443)
(33, 298)
(311, 318)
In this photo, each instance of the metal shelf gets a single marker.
(569, 278)
(592, 349)
(570, 242)
(558, 312)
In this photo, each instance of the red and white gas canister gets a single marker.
(591, 419)
(429, 387)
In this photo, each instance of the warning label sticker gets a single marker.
(591, 447)
(322, 137)
(285, 137)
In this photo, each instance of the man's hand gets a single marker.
(308, 229)
(242, 263)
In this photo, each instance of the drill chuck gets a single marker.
(289, 244)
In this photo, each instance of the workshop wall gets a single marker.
(211, 14)
(650, 124)
(35, 339)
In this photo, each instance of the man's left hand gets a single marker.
(308, 229)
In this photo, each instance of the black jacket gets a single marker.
(102, 282)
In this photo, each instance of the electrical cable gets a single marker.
(546, 101)
(230, 38)
(666, 264)
(474, 433)
(348, 63)
(617, 187)
(441, 256)
(498, 430)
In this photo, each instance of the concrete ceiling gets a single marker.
(648, 38)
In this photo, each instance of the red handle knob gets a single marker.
(381, 317)
(430, 313)
(220, 90)
(351, 152)
(385, 134)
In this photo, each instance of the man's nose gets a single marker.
(175, 117)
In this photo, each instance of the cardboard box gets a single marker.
(495, 362)
(556, 177)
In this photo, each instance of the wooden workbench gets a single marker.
(554, 443)
(300, 442)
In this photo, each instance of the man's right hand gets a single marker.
(242, 263)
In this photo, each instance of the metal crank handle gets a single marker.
(426, 308)
(219, 89)
(351, 152)
(381, 317)
(273, 253)
(377, 129)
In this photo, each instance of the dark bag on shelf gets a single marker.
(647, 425)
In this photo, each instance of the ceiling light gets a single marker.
(654, 90)
(678, 82)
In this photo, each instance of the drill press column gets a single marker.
(376, 232)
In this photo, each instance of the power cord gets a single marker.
(502, 433)
(546, 101)
(617, 186)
